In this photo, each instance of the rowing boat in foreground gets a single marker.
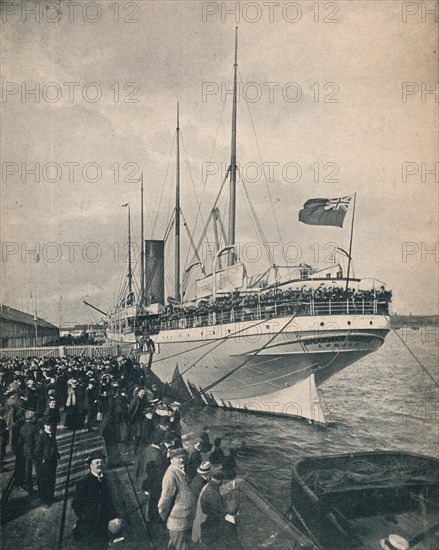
(367, 500)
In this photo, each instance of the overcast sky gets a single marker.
(347, 106)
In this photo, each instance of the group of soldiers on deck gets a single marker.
(242, 306)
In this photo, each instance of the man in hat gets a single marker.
(146, 431)
(46, 456)
(52, 415)
(91, 403)
(151, 466)
(206, 445)
(201, 478)
(217, 455)
(176, 505)
(26, 443)
(93, 505)
(214, 528)
(72, 405)
(194, 461)
(136, 413)
(30, 396)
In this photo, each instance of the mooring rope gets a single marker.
(222, 378)
(424, 368)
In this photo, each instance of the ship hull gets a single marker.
(120, 338)
(271, 366)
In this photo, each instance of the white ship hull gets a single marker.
(117, 337)
(272, 366)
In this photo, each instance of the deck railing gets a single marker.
(278, 309)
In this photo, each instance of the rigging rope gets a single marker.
(163, 189)
(199, 213)
(258, 225)
(205, 182)
(225, 376)
(263, 168)
(413, 355)
(208, 343)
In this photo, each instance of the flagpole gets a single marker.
(350, 243)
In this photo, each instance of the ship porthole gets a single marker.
(267, 326)
(322, 324)
(370, 322)
(349, 323)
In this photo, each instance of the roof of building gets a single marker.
(14, 315)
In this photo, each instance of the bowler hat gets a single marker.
(95, 455)
(29, 414)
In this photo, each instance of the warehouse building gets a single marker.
(20, 330)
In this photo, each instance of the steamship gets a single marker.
(263, 343)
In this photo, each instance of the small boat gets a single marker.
(367, 500)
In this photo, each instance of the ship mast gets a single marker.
(177, 213)
(232, 203)
(142, 246)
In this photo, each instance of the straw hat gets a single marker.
(394, 542)
(204, 468)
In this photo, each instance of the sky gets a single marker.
(335, 98)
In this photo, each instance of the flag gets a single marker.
(126, 204)
(325, 211)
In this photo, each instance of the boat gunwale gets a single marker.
(315, 498)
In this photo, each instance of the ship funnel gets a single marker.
(155, 272)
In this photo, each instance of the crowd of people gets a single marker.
(238, 306)
(192, 492)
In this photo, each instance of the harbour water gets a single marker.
(383, 402)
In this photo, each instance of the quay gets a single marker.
(26, 525)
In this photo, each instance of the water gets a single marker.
(383, 402)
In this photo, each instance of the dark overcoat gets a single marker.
(93, 504)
